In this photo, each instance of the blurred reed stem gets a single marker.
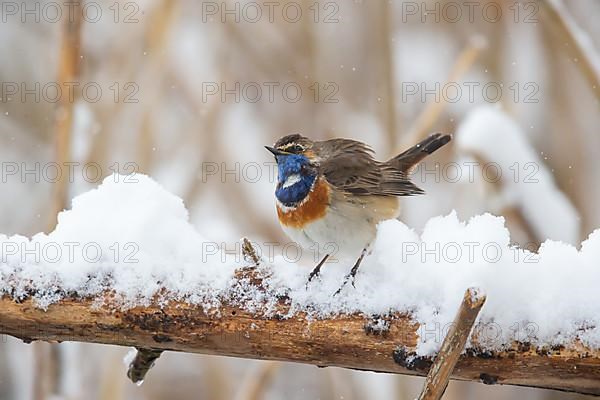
(428, 117)
(257, 381)
(388, 74)
(159, 28)
(48, 358)
(68, 71)
(557, 16)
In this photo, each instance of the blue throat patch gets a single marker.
(289, 165)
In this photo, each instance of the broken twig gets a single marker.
(141, 364)
(453, 344)
(249, 252)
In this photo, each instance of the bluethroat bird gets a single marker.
(333, 192)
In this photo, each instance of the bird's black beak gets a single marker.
(275, 151)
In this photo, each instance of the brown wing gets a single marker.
(349, 166)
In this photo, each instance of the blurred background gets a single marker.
(190, 91)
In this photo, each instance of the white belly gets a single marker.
(333, 235)
(343, 233)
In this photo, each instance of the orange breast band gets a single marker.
(311, 209)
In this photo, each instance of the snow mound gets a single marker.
(129, 235)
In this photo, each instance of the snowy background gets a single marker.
(190, 92)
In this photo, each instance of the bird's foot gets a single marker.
(348, 278)
(317, 270)
(311, 276)
(352, 275)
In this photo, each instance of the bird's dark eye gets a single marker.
(294, 148)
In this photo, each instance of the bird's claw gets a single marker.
(346, 279)
(312, 276)
(317, 270)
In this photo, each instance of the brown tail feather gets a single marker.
(406, 160)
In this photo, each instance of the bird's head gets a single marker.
(297, 167)
(294, 144)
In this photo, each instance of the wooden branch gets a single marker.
(453, 344)
(383, 343)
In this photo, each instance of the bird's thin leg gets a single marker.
(353, 271)
(317, 269)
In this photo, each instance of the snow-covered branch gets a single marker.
(384, 343)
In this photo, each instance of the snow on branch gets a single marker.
(124, 266)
